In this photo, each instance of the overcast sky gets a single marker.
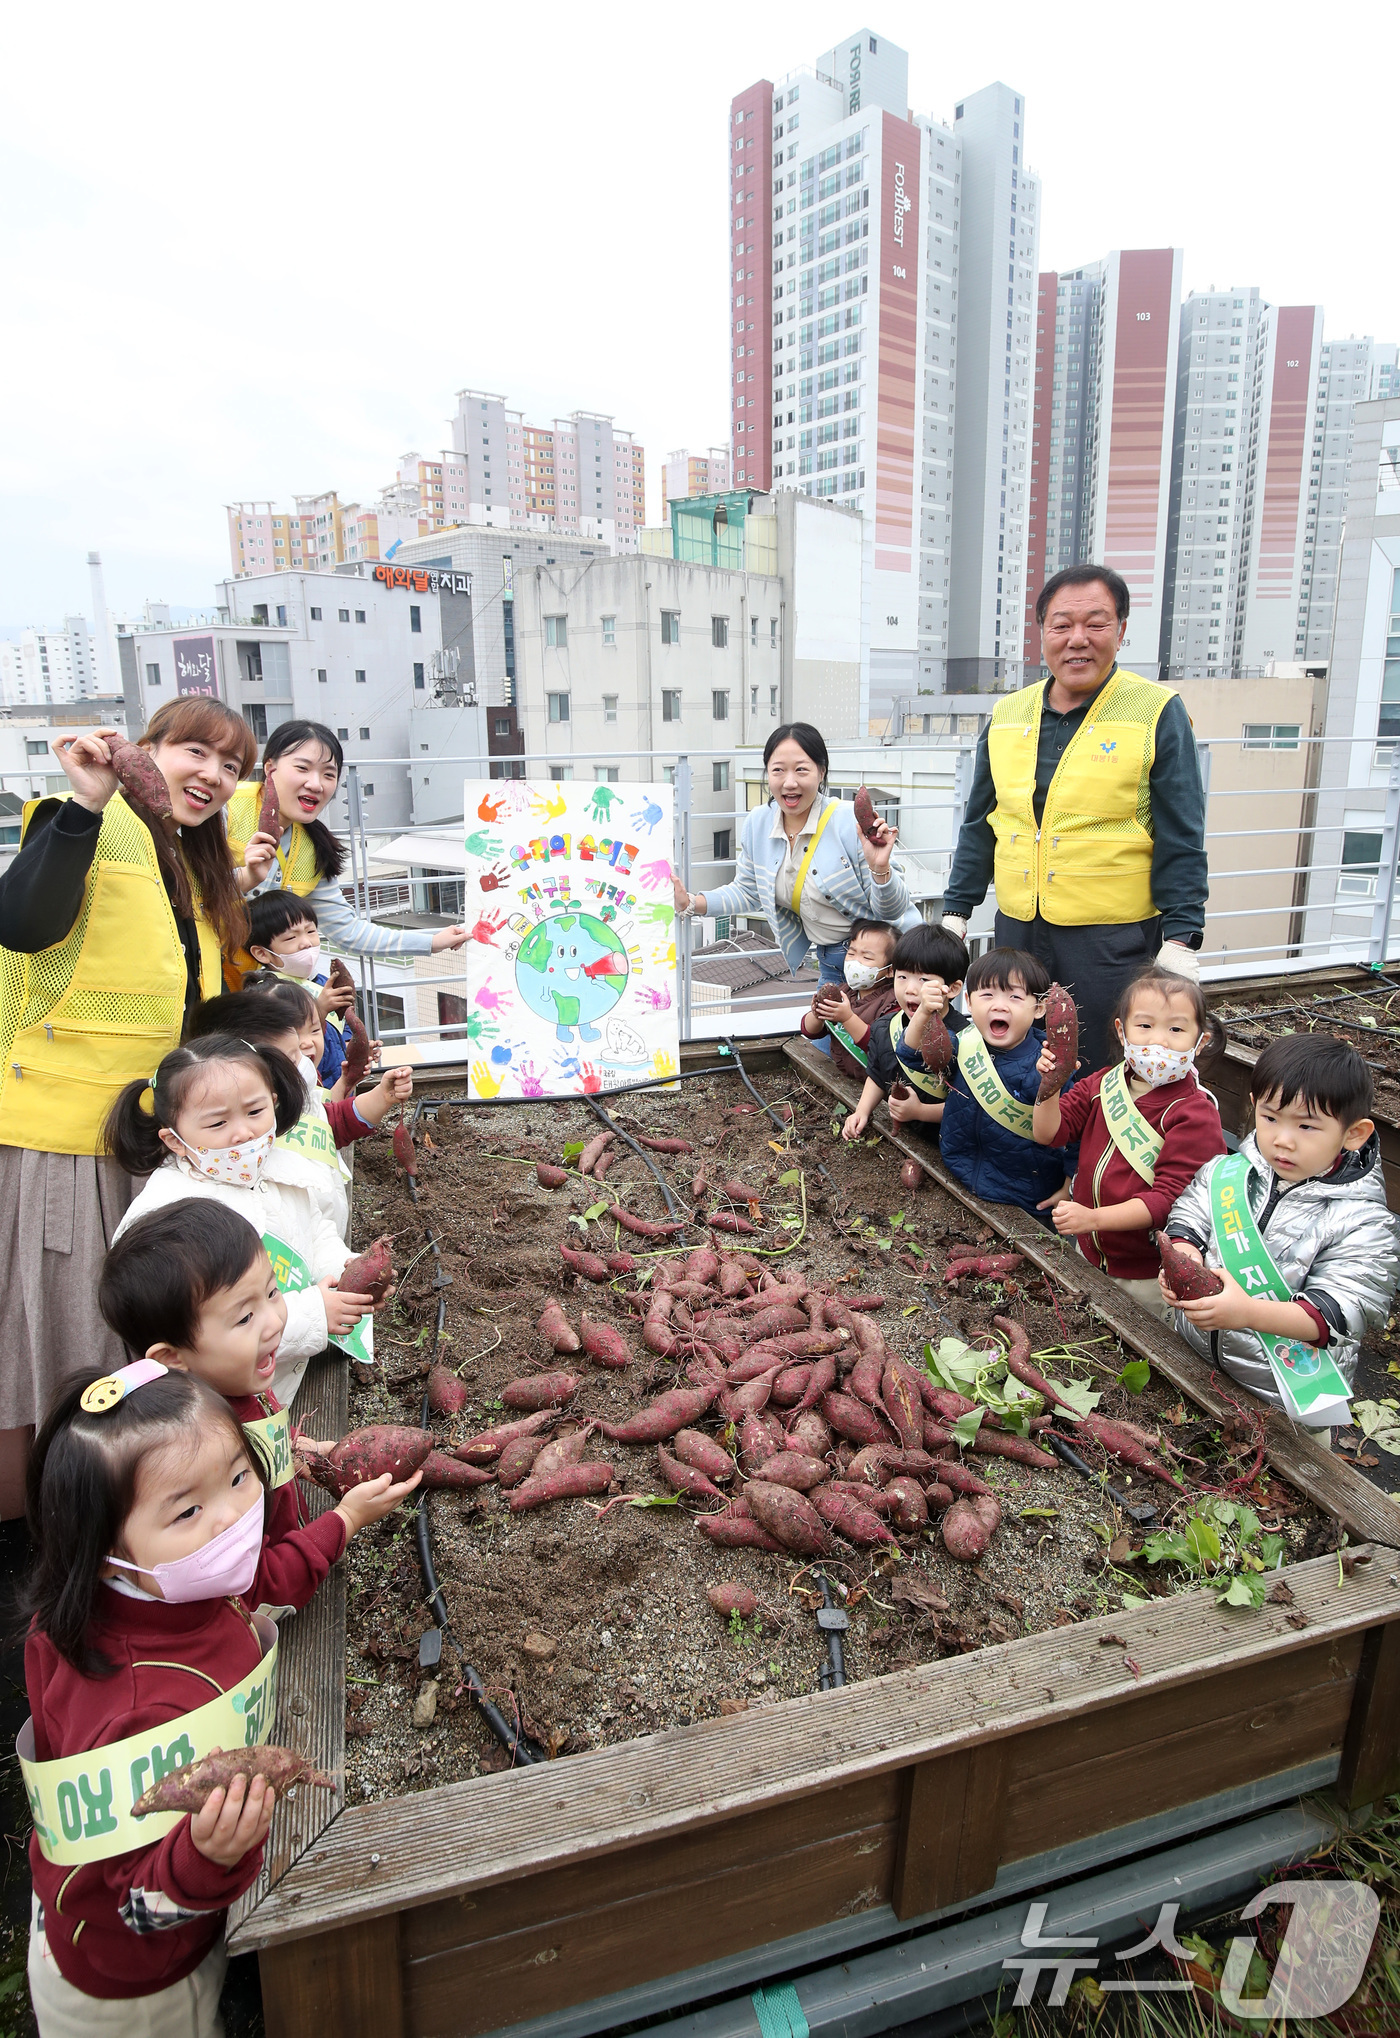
(254, 251)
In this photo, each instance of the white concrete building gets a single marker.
(578, 477)
(43, 666)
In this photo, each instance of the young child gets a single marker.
(283, 935)
(929, 966)
(987, 1140)
(1296, 1224)
(145, 1509)
(844, 1018)
(192, 1288)
(205, 1125)
(1143, 1126)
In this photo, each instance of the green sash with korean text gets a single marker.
(293, 1274)
(934, 1088)
(1309, 1384)
(987, 1087)
(274, 1433)
(1137, 1141)
(81, 1804)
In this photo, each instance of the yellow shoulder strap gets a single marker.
(806, 864)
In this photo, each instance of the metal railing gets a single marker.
(772, 1006)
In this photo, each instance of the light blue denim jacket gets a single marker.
(838, 870)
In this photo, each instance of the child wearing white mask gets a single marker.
(843, 1018)
(1145, 1126)
(206, 1124)
(284, 935)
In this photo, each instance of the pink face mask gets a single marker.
(223, 1569)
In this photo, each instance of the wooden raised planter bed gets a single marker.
(484, 1904)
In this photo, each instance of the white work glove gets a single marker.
(1180, 960)
(955, 925)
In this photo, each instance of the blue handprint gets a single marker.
(646, 816)
(501, 1055)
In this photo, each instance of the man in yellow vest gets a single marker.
(1087, 813)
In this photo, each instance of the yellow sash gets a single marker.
(274, 1433)
(313, 1139)
(924, 1080)
(81, 1804)
(987, 1087)
(806, 863)
(1130, 1132)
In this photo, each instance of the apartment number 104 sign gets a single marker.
(571, 965)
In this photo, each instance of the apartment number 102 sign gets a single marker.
(571, 965)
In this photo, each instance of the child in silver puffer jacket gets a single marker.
(1307, 1186)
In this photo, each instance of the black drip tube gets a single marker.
(673, 1208)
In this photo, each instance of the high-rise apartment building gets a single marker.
(1352, 371)
(579, 476)
(41, 666)
(685, 474)
(849, 248)
(1066, 314)
(1206, 529)
(1281, 487)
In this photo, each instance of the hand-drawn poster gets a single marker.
(571, 966)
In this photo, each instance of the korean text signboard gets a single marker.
(196, 669)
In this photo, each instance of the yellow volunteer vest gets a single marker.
(296, 862)
(1090, 862)
(74, 1027)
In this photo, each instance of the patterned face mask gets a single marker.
(238, 1167)
(862, 976)
(1157, 1066)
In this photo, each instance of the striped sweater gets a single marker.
(838, 871)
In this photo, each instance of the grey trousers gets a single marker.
(1096, 963)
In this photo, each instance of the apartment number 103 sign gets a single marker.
(571, 965)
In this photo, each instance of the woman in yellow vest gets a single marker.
(305, 762)
(1087, 812)
(110, 932)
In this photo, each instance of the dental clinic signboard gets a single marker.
(571, 965)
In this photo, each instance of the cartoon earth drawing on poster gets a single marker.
(571, 964)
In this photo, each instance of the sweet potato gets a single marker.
(339, 977)
(789, 1286)
(550, 1177)
(603, 1343)
(368, 1454)
(1062, 1039)
(677, 1409)
(725, 1220)
(878, 1462)
(591, 1152)
(555, 1325)
(570, 1482)
(821, 1379)
(729, 1598)
(903, 1406)
(693, 1447)
(554, 1452)
(748, 1399)
(405, 1152)
(447, 1395)
(985, 1266)
(620, 1263)
(792, 1468)
(733, 1281)
(541, 1390)
(790, 1517)
(780, 1317)
(487, 1445)
(369, 1274)
(809, 1433)
(866, 1304)
(667, 1271)
(873, 1497)
(694, 1293)
(702, 1264)
(853, 1419)
(937, 1440)
(356, 1049)
(1188, 1279)
(588, 1266)
(997, 1444)
(946, 1404)
(911, 1176)
(656, 1333)
(939, 1494)
(1119, 1444)
(518, 1459)
(790, 1386)
(901, 1090)
(760, 1437)
(805, 1344)
(644, 1227)
(140, 778)
(699, 1187)
(852, 1519)
(189, 1788)
(952, 1472)
(663, 1145)
(442, 1472)
(969, 1525)
(739, 1192)
(736, 1532)
(867, 1374)
(911, 1508)
(1018, 1362)
(683, 1478)
(867, 820)
(936, 1049)
(269, 812)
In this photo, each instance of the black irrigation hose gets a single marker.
(1372, 990)
(517, 1744)
(673, 1209)
(1140, 1511)
(833, 1621)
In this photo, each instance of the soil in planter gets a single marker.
(594, 1626)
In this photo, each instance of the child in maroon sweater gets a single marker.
(845, 1018)
(192, 1287)
(1145, 1127)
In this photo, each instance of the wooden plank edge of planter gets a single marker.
(1328, 1481)
(399, 1853)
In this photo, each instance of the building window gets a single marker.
(721, 777)
(719, 705)
(359, 615)
(359, 675)
(606, 774)
(1361, 862)
(610, 629)
(152, 679)
(753, 700)
(320, 675)
(415, 618)
(668, 774)
(723, 837)
(418, 677)
(364, 734)
(556, 631)
(367, 791)
(558, 707)
(609, 707)
(773, 632)
(772, 700)
(315, 615)
(503, 725)
(670, 705)
(39, 749)
(561, 771)
(344, 615)
(256, 715)
(753, 630)
(719, 632)
(453, 1013)
(1272, 735)
(670, 626)
(282, 615)
(343, 734)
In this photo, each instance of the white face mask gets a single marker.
(300, 963)
(240, 1167)
(862, 976)
(1157, 1066)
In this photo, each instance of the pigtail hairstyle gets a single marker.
(132, 1132)
(329, 853)
(1213, 1039)
(81, 1487)
(198, 858)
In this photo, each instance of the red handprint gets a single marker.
(492, 880)
(487, 928)
(490, 810)
(591, 1079)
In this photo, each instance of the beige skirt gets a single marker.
(58, 1212)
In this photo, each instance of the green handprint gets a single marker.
(603, 802)
(479, 1027)
(482, 844)
(657, 915)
